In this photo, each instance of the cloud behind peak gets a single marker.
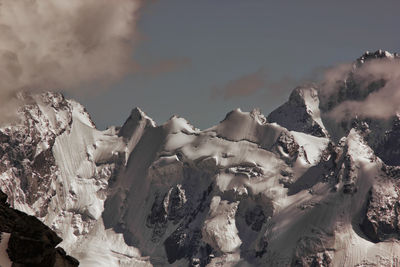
(242, 86)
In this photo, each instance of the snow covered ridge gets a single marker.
(250, 191)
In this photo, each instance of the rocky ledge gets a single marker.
(31, 243)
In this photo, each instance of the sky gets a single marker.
(201, 59)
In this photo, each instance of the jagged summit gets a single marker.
(301, 113)
(376, 55)
(136, 118)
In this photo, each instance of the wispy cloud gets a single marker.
(260, 82)
(242, 86)
(382, 103)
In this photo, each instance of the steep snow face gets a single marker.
(56, 166)
(206, 197)
(321, 226)
(301, 113)
(247, 192)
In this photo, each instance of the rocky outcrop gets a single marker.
(26, 149)
(287, 147)
(389, 148)
(375, 55)
(382, 217)
(31, 243)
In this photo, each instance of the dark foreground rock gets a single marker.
(31, 242)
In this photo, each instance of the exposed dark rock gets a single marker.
(157, 219)
(43, 162)
(288, 144)
(169, 208)
(64, 260)
(389, 149)
(287, 147)
(391, 171)
(182, 243)
(255, 218)
(349, 175)
(381, 219)
(31, 242)
(176, 203)
(314, 251)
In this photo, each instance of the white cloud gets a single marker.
(69, 45)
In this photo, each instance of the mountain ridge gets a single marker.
(253, 190)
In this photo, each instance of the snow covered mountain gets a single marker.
(285, 190)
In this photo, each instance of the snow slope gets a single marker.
(62, 177)
(249, 191)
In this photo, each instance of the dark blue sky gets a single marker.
(193, 47)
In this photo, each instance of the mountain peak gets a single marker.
(301, 112)
(136, 118)
(378, 54)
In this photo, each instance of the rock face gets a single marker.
(30, 242)
(251, 191)
(381, 221)
(389, 148)
(301, 113)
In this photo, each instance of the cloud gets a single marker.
(68, 45)
(381, 104)
(243, 86)
(257, 81)
(362, 100)
(333, 75)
